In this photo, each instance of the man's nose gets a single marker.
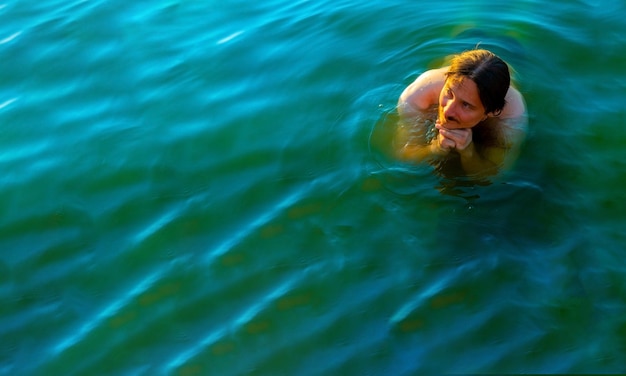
(449, 110)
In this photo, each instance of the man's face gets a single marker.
(459, 104)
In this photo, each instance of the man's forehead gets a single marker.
(465, 87)
(456, 80)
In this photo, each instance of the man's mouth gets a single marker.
(447, 123)
(450, 119)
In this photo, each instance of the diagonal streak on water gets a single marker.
(107, 312)
(268, 298)
(224, 328)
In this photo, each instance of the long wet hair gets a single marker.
(488, 71)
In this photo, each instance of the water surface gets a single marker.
(196, 187)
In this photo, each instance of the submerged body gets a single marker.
(445, 115)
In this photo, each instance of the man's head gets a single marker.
(479, 80)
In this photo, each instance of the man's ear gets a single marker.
(495, 113)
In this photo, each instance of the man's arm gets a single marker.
(423, 92)
(473, 162)
(418, 98)
(417, 153)
(489, 159)
(488, 163)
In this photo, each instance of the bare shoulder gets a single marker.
(515, 106)
(513, 123)
(514, 119)
(424, 91)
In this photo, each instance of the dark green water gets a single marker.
(201, 188)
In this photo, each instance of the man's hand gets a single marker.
(458, 139)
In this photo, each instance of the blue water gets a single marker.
(203, 188)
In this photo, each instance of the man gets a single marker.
(479, 118)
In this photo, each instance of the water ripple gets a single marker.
(188, 187)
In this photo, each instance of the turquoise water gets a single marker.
(201, 188)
